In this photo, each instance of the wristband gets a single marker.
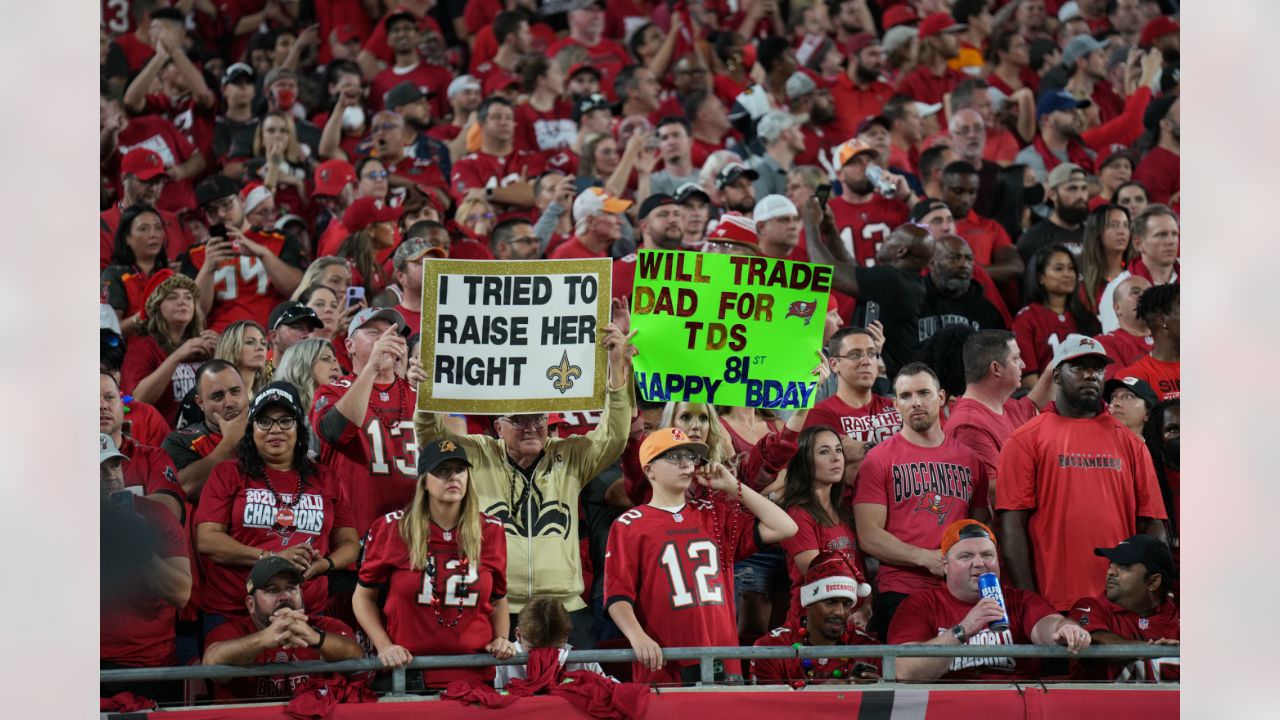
(319, 642)
(331, 565)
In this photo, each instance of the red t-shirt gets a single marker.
(700, 150)
(790, 670)
(241, 288)
(432, 80)
(1098, 613)
(248, 509)
(280, 686)
(574, 249)
(423, 172)
(673, 572)
(1163, 377)
(377, 42)
(922, 85)
(923, 490)
(150, 471)
(160, 136)
(926, 615)
(1086, 481)
(876, 421)
(1160, 173)
(817, 142)
(542, 132)
(973, 425)
(141, 359)
(464, 624)
(1001, 147)
(607, 56)
(814, 536)
(865, 226)
(195, 124)
(1039, 331)
(482, 170)
(377, 460)
(1125, 348)
(853, 104)
(624, 277)
(984, 236)
(145, 424)
(412, 318)
(138, 631)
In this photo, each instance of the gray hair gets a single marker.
(295, 367)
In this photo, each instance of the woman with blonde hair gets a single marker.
(244, 344)
(329, 270)
(307, 365)
(443, 565)
(282, 162)
(476, 218)
(160, 364)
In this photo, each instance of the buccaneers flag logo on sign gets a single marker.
(802, 309)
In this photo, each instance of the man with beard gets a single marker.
(661, 224)
(860, 92)
(939, 42)
(1058, 141)
(1086, 61)
(196, 449)
(710, 123)
(821, 130)
(902, 505)
(1158, 171)
(864, 216)
(906, 130)
(735, 181)
(691, 75)
(1073, 480)
(992, 248)
(276, 630)
(408, 100)
(675, 149)
(952, 296)
(1069, 194)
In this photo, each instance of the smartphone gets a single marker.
(122, 499)
(218, 230)
(355, 294)
(823, 193)
(872, 313)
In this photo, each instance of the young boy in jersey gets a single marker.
(543, 623)
(668, 568)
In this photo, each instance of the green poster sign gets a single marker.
(732, 330)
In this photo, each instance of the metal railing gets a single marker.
(706, 657)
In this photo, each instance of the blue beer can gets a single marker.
(989, 586)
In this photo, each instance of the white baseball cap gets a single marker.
(107, 449)
(460, 83)
(774, 206)
(595, 200)
(773, 123)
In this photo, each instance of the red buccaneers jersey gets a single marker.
(482, 170)
(923, 491)
(669, 567)
(1125, 348)
(377, 460)
(1099, 613)
(280, 686)
(432, 80)
(1039, 331)
(464, 623)
(241, 288)
(790, 670)
(864, 226)
(541, 132)
(876, 421)
(423, 172)
(149, 471)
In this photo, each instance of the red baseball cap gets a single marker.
(859, 42)
(331, 176)
(498, 81)
(938, 23)
(899, 15)
(584, 67)
(143, 164)
(1156, 29)
(366, 211)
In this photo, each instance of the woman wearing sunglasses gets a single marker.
(271, 500)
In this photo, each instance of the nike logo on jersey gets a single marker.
(1084, 610)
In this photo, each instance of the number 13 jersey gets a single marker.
(668, 566)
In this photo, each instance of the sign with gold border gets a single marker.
(514, 336)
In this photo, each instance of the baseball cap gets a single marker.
(664, 439)
(799, 85)
(1069, 11)
(368, 315)
(278, 73)
(1155, 29)
(831, 576)
(402, 94)
(964, 530)
(366, 211)
(750, 103)
(850, 149)
(290, 312)
(773, 206)
(653, 202)
(771, 125)
(938, 23)
(927, 109)
(584, 67)
(277, 393)
(1157, 111)
(1151, 552)
(595, 200)
(1137, 386)
(594, 101)
(870, 120)
(859, 42)
(1059, 100)
(1080, 46)
(688, 190)
(497, 81)
(582, 4)
(215, 187)
(896, 37)
(237, 72)
(899, 15)
(1062, 174)
(735, 229)
(399, 13)
(267, 569)
(331, 176)
(107, 449)
(412, 249)
(433, 454)
(143, 164)
(1121, 153)
(285, 220)
(345, 33)
(461, 83)
(732, 171)
(1077, 346)
(926, 206)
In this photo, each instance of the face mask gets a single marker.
(285, 98)
(353, 117)
(1033, 195)
(1171, 453)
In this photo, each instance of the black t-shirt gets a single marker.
(1046, 232)
(985, 203)
(233, 139)
(900, 295)
(972, 308)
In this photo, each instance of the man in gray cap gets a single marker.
(820, 130)
(1086, 62)
(780, 134)
(1069, 197)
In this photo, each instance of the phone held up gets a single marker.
(355, 294)
(872, 309)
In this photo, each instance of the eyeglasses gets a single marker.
(680, 457)
(857, 355)
(377, 175)
(478, 217)
(528, 240)
(524, 423)
(265, 424)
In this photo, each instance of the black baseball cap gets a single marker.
(290, 312)
(1157, 111)
(268, 568)
(277, 393)
(237, 72)
(433, 454)
(594, 101)
(688, 190)
(215, 187)
(653, 202)
(402, 94)
(1137, 386)
(926, 206)
(734, 170)
(1151, 552)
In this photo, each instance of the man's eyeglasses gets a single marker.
(524, 423)
(858, 355)
(377, 175)
(265, 424)
(680, 457)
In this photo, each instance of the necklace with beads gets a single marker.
(731, 513)
(438, 592)
(812, 666)
(286, 514)
(390, 420)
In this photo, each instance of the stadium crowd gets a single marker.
(996, 184)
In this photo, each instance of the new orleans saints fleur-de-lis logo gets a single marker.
(562, 375)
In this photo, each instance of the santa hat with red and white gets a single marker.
(253, 195)
(736, 229)
(831, 575)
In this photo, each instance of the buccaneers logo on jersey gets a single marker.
(936, 504)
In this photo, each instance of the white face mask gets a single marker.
(353, 117)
